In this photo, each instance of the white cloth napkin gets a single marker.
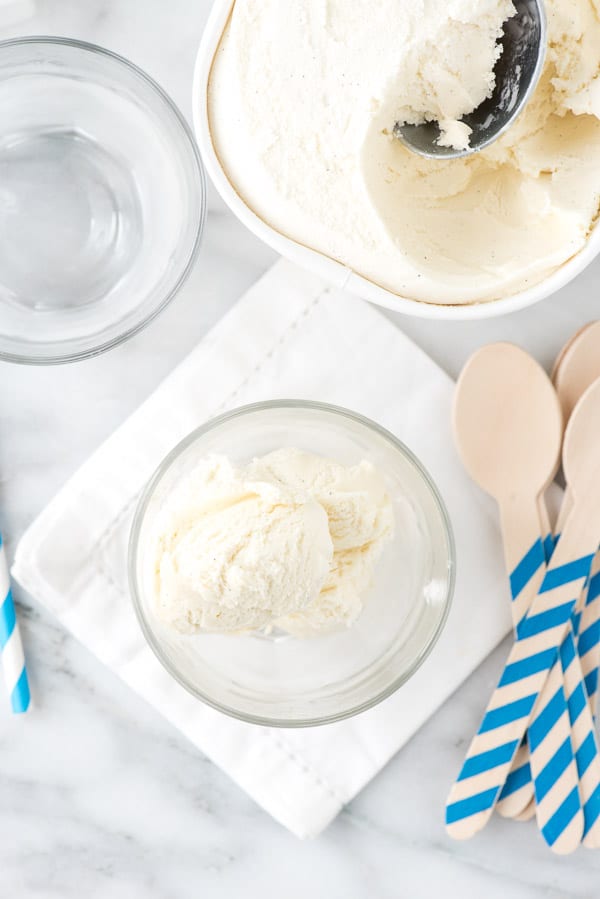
(289, 336)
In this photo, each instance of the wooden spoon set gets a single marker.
(536, 751)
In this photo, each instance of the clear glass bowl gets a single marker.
(102, 200)
(290, 682)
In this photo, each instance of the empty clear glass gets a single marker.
(102, 199)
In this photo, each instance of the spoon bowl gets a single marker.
(507, 421)
(517, 73)
(581, 459)
(566, 349)
(578, 367)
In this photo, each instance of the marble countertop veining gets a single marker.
(102, 798)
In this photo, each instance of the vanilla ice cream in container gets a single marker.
(296, 108)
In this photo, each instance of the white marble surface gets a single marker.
(100, 797)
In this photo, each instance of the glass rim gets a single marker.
(60, 358)
(265, 406)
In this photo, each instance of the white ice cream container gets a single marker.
(340, 275)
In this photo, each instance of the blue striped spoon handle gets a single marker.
(582, 739)
(583, 735)
(587, 656)
(525, 581)
(517, 799)
(552, 747)
(490, 756)
(588, 644)
(13, 660)
(553, 766)
(518, 791)
(519, 786)
(580, 679)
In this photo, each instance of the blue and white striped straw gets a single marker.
(11, 648)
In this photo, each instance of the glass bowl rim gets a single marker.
(241, 412)
(59, 358)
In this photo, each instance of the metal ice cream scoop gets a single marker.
(517, 73)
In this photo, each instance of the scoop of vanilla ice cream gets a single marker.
(574, 55)
(290, 541)
(361, 523)
(234, 552)
(447, 66)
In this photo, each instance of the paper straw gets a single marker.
(11, 648)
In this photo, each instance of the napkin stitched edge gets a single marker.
(96, 555)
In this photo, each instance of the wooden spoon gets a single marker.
(581, 460)
(576, 369)
(508, 454)
(515, 700)
(560, 358)
(525, 391)
(508, 431)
